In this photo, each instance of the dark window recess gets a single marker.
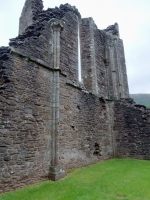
(97, 150)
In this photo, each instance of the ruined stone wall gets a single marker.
(110, 72)
(123, 81)
(85, 130)
(113, 68)
(49, 121)
(85, 127)
(29, 14)
(101, 75)
(36, 43)
(103, 62)
(87, 54)
(69, 47)
(131, 130)
(25, 121)
(117, 83)
(94, 74)
(37, 40)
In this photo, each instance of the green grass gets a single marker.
(108, 180)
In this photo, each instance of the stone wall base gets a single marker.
(56, 173)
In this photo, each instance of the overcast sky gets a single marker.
(133, 17)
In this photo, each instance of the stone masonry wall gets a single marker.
(25, 133)
(99, 41)
(25, 123)
(29, 14)
(36, 43)
(88, 64)
(116, 70)
(124, 90)
(113, 69)
(132, 130)
(69, 47)
(85, 127)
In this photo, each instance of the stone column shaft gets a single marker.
(56, 171)
(55, 50)
(56, 117)
(58, 49)
(53, 123)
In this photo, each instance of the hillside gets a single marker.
(143, 99)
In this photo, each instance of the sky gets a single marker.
(133, 17)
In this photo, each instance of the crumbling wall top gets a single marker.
(112, 30)
(29, 13)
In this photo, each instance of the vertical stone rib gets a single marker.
(55, 49)
(53, 122)
(56, 117)
(56, 171)
(58, 49)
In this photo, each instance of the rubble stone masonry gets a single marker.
(49, 120)
(132, 130)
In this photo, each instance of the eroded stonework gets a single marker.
(49, 120)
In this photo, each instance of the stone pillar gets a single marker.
(56, 171)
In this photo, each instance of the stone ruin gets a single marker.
(64, 98)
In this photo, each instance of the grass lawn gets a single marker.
(111, 179)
